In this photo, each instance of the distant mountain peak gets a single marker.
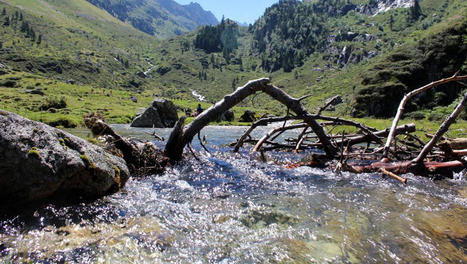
(162, 18)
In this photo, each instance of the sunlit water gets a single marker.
(234, 208)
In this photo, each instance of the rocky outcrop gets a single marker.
(376, 7)
(39, 162)
(228, 116)
(248, 116)
(162, 113)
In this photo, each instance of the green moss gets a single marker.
(34, 152)
(89, 164)
(117, 176)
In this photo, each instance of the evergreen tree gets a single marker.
(391, 22)
(415, 11)
(32, 34)
(39, 39)
(6, 22)
(20, 16)
(24, 27)
(4, 12)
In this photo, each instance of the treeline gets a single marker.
(17, 20)
(290, 30)
(220, 38)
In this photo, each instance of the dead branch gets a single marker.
(273, 132)
(406, 98)
(443, 129)
(409, 128)
(142, 158)
(261, 122)
(393, 175)
(301, 138)
(174, 147)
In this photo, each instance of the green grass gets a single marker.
(114, 105)
(84, 41)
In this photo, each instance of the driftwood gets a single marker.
(177, 141)
(367, 143)
(407, 97)
(276, 130)
(261, 122)
(142, 158)
(443, 129)
(393, 175)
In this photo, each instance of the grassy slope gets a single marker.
(81, 38)
(101, 36)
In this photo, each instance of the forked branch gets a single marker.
(177, 142)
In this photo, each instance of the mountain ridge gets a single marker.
(161, 18)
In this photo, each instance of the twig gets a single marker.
(393, 175)
(202, 143)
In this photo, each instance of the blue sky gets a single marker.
(240, 10)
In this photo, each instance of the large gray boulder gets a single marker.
(162, 113)
(39, 162)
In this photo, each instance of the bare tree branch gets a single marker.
(443, 129)
(174, 147)
(407, 97)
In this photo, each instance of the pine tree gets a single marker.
(24, 27)
(6, 21)
(415, 10)
(20, 16)
(32, 34)
(4, 12)
(39, 39)
(391, 22)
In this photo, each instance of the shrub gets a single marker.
(53, 103)
(63, 122)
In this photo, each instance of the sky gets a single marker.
(243, 11)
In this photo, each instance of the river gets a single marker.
(233, 208)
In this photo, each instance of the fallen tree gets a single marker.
(367, 143)
(182, 137)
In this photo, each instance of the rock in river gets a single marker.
(161, 113)
(39, 162)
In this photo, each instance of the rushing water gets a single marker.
(233, 208)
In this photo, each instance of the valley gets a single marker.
(335, 48)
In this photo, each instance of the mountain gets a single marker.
(323, 48)
(161, 18)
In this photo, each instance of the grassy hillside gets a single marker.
(78, 42)
(82, 47)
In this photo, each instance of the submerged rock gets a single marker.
(39, 162)
(162, 113)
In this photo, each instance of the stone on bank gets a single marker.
(162, 113)
(39, 162)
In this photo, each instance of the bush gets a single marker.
(63, 122)
(53, 103)
(435, 117)
(415, 115)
